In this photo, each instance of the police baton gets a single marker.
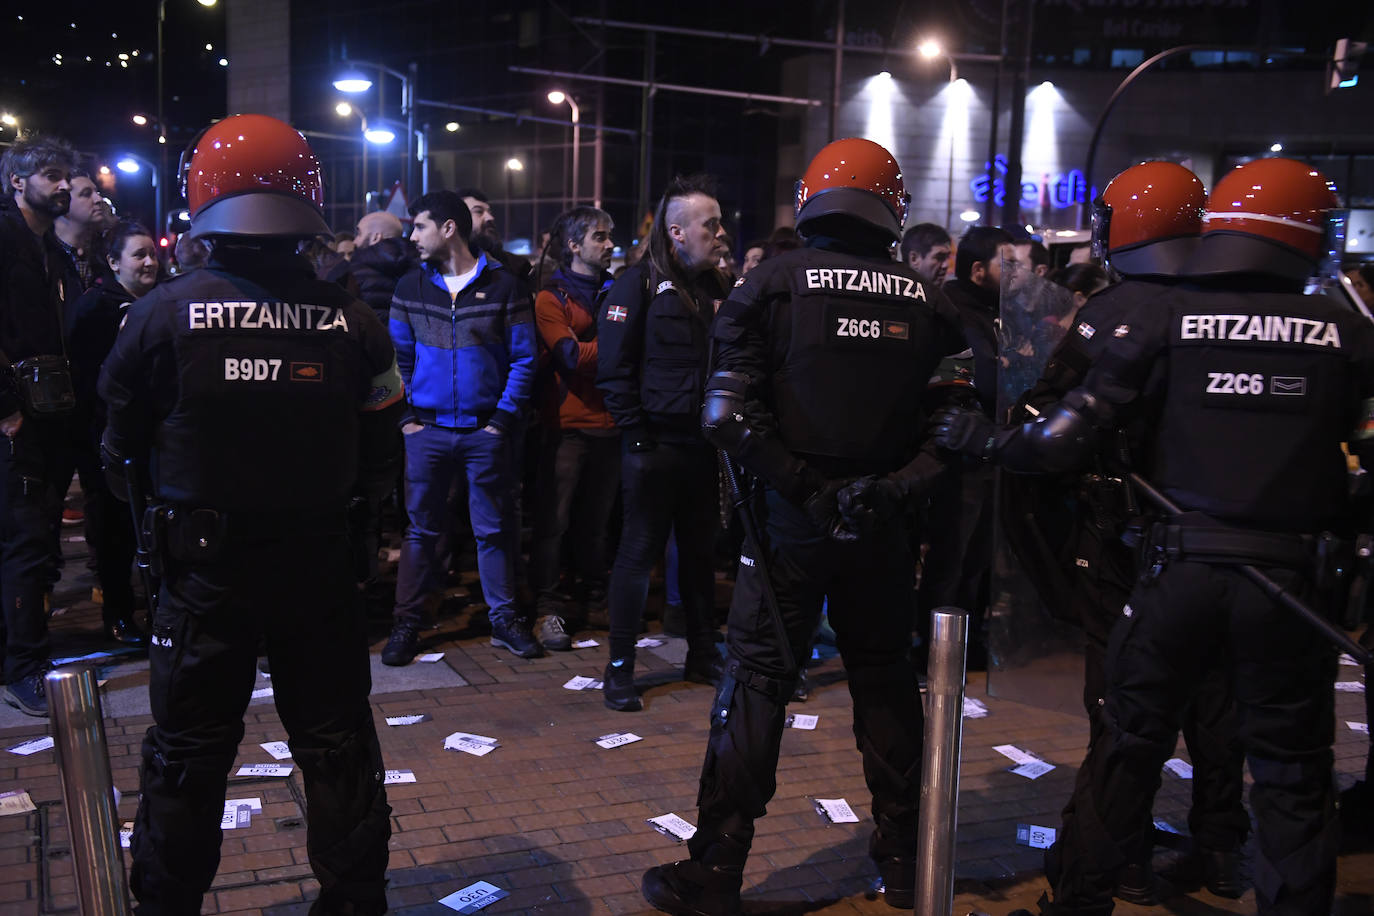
(755, 540)
(1268, 585)
(143, 553)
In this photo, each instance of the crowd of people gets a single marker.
(438, 371)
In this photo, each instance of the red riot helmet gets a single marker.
(856, 178)
(1268, 216)
(253, 175)
(1147, 221)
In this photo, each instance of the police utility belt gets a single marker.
(190, 535)
(1339, 569)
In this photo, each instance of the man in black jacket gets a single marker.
(960, 530)
(651, 367)
(33, 285)
(382, 256)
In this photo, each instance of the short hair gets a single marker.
(345, 235)
(474, 193)
(1080, 278)
(1039, 255)
(444, 206)
(978, 244)
(33, 153)
(572, 226)
(922, 237)
(660, 253)
(119, 236)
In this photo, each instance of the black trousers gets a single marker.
(1217, 819)
(1280, 672)
(868, 589)
(670, 488)
(29, 465)
(297, 595)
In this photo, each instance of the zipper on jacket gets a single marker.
(453, 354)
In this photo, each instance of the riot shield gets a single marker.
(1035, 655)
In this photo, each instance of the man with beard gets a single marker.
(579, 467)
(487, 239)
(37, 173)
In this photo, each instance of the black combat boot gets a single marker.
(708, 886)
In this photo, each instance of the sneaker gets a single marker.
(553, 634)
(515, 635)
(73, 516)
(28, 696)
(618, 686)
(404, 643)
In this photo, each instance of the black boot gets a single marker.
(706, 887)
(703, 665)
(126, 631)
(618, 686)
(1221, 872)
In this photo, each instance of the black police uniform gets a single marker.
(263, 400)
(1100, 569)
(651, 367)
(1285, 378)
(839, 348)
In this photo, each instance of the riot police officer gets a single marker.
(841, 465)
(1146, 225)
(1237, 356)
(258, 401)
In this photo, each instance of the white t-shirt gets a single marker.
(456, 283)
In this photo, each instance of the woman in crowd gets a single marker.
(92, 324)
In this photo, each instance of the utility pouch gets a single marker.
(45, 384)
(195, 535)
(153, 538)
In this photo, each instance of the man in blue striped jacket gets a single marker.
(465, 344)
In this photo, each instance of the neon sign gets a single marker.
(1058, 191)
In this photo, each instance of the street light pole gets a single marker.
(558, 96)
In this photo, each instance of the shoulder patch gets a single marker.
(664, 287)
(616, 313)
(1086, 331)
(739, 282)
(1121, 330)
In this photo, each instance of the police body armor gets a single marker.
(1254, 379)
(270, 384)
(852, 349)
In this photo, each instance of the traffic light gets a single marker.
(1345, 61)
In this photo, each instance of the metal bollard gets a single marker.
(940, 764)
(87, 789)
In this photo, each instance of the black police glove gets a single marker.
(869, 502)
(966, 431)
(823, 508)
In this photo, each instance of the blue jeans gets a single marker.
(434, 455)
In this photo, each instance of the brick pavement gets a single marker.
(560, 823)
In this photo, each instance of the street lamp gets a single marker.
(930, 49)
(131, 164)
(354, 80)
(558, 97)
